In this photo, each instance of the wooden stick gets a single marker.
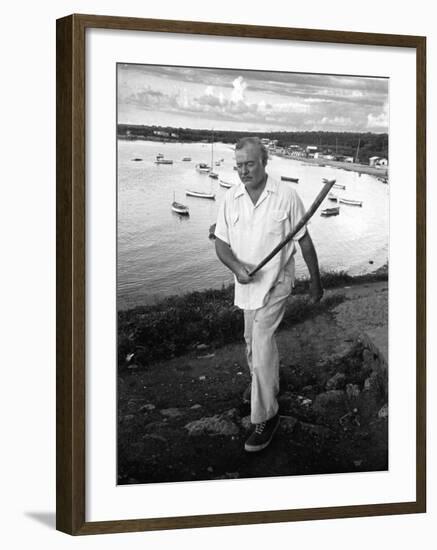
(308, 214)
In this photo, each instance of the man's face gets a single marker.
(250, 166)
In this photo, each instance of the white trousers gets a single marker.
(262, 352)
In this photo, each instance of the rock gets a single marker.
(202, 347)
(202, 377)
(352, 391)
(196, 406)
(246, 423)
(172, 412)
(212, 425)
(383, 412)
(288, 424)
(147, 407)
(358, 463)
(330, 405)
(337, 382)
(207, 356)
(314, 431)
(133, 366)
(210, 469)
(128, 417)
(307, 389)
(153, 427)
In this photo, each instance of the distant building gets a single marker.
(383, 162)
(311, 150)
(373, 161)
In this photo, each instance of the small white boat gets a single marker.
(200, 194)
(334, 211)
(226, 184)
(338, 186)
(351, 202)
(213, 175)
(203, 168)
(180, 208)
(163, 161)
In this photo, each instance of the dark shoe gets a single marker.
(247, 393)
(262, 435)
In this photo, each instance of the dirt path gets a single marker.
(183, 419)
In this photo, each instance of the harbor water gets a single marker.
(160, 253)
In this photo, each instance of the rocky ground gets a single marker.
(183, 419)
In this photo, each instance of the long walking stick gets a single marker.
(308, 214)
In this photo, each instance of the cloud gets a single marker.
(239, 88)
(282, 100)
(378, 121)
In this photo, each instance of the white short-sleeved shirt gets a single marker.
(252, 231)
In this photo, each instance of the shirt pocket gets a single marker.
(277, 222)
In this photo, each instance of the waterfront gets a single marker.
(160, 253)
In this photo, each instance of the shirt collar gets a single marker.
(270, 187)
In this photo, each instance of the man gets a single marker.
(255, 216)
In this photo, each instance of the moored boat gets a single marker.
(180, 208)
(293, 180)
(213, 175)
(203, 168)
(136, 159)
(163, 161)
(332, 197)
(186, 159)
(224, 183)
(339, 186)
(351, 202)
(200, 194)
(334, 211)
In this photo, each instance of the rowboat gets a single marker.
(351, 202)
(199, 194)
(163, 161)
(338, 186)
(334, 211)
(225, 184)
(180, 208)
(293, 180)
(203, 168)
(332, 197)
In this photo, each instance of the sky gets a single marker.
(233, 99)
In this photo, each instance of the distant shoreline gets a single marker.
(348, 166)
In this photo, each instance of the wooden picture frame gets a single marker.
(71, 254)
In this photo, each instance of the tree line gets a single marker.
(359, 145)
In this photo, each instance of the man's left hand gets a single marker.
(316, 291)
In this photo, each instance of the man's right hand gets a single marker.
(242, 274)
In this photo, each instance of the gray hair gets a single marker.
(257, 143)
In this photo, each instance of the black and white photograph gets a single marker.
(252, 273)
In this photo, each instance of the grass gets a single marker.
(178, 324)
